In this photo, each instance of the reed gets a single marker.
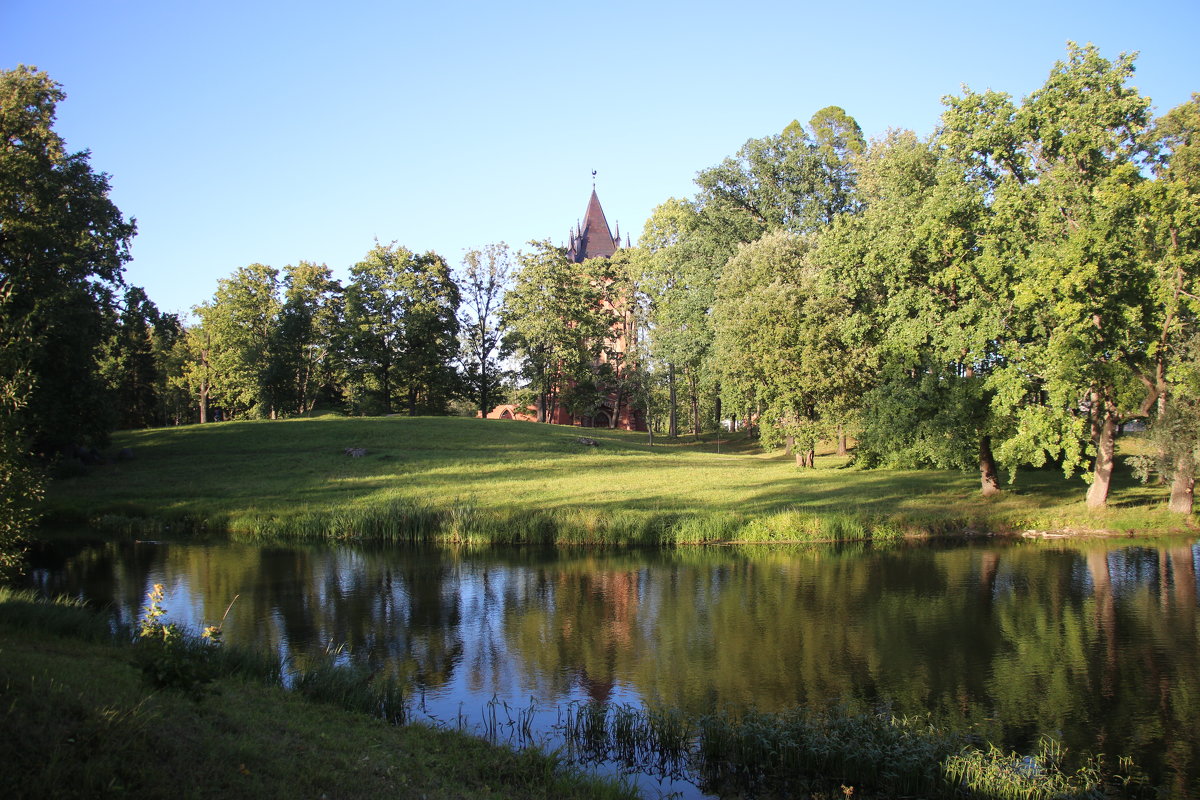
(466, 523)
(783, 754)
(352, 688)
(22, 609)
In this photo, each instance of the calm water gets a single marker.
(1095, 644)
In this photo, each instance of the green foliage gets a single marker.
(20, 481)
(171, 658)
(786, 351)
(555, 321)
(239, 330)
(934, 418)
(308, 344)
(139, 361)
(794, 180)
(61, 258)
(402, 328)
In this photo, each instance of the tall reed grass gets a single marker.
(463, 522)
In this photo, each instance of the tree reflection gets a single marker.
(1095, 644)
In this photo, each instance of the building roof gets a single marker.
(592, 238)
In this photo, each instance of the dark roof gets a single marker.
(593, 238)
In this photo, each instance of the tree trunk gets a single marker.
(988, 479)
(1183, 485)
(810, 458)
(204, 402)
(483, 389)
(672, 419)
(841, 439)
(718, 408)
(1097, 495)
(385, 386)
(789, 446)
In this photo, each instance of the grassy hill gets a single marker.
(486, 480)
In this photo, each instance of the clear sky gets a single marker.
(275, 132)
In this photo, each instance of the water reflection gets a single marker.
(1094, 644)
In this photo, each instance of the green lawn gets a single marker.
(469, 478)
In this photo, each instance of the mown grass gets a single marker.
(79, 719)
(454, 479)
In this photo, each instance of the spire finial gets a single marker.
(593, 180)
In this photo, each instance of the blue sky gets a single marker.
(238, 132)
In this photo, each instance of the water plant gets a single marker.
(830, 752)
(352, 687)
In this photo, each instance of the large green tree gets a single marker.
(908, 264)
(1174, 200)
(239, 325)
(1065, 172)
(307, 343)
(787, 348)
(402, 328)
(63, 244)
(679, 278)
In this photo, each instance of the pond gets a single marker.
(1093, 642)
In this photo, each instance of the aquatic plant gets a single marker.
(827, 753)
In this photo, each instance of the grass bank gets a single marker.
(470, 480)
(79, 718)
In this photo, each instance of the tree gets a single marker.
(306, 341)
(239, 326)
(137, 360)
(555, 323)
(909, 266)
(62, 252)
(1175, 203)
(195, 375)
(837, 139)
(483, 280)
(20, 482)
(679, 277)
(797, 180)
(1071, 237)
(402, 328)
(785, 351)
